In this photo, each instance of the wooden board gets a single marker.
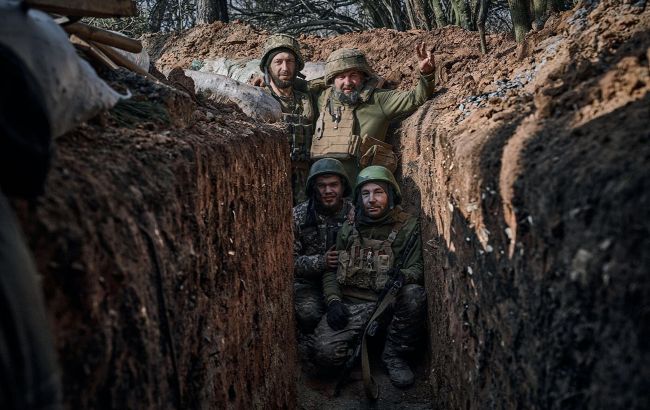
(86, 8)
(92, 52)
(90, 33)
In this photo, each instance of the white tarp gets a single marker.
(252, 100)
(72, 90)
(244, 70)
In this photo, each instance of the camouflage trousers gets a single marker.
(309, 304)
(403, 321)
(29, 374)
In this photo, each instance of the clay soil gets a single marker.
(166, 284)
(164, 237)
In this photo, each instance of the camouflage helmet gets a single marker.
(345, 59)
(377, 173)
(328, 166)
(278, 41)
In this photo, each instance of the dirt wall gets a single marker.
(534, 195)
(164, 255)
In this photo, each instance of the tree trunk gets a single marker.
(209, 11)
(520, 18)
(481, 17)
(157, 15)
(441, 20)
(410, 14)
(461, 10)
(540, 11)
(422, 14)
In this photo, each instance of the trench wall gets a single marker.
(164, 258)
(536, 230)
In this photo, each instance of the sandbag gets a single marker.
(243, 70)
(252, 100)
(71, 89)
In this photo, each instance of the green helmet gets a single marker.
(377, 173)
(328, 166)
(278, 41)
(345, 59)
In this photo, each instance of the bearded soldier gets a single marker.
(280, 64)
(382, 238)
(316, 223)
(354, 114)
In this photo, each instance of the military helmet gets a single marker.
(345, 59)
(278, 41)
(328, 166)
(377, 173)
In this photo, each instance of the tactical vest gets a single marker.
(298, 114)
(366, 263)
(334, 136)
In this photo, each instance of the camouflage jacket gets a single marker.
(379, 229)
(311, 242)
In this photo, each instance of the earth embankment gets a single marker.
(165, 254)
(534, 192)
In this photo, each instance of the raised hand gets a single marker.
(426, 61)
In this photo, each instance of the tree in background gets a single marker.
(326, 17)
(209, 11)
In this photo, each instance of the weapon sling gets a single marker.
(369, 384)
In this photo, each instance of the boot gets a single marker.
(399, 371)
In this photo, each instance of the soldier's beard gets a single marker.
(329, 209)
(281, 84)
(351, 98)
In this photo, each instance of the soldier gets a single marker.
(280, 64)
(354, 114)
(316, 223)
(381, 237)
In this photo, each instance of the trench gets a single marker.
(165, 256)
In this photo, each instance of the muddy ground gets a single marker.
(529, 168)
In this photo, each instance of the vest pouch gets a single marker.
(383, 266)
(341, 147)
(376, 152)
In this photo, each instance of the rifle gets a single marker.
(386, 297)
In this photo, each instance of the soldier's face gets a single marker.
(349, 81)
(375, 200)
(330, 190)
(283, 69)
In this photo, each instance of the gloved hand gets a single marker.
(337, 315)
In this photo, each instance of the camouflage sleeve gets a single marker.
(396, 103)
(414, 263)
(309, 267)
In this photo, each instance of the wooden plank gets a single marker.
(86, 8)
(90, 33)
(122, 61)
(92, 52)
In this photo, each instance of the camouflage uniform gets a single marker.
(297, 112)
(314, 232)
(356, 134)
(309, 246)
(367, 250)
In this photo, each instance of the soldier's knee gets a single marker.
(328, 354)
